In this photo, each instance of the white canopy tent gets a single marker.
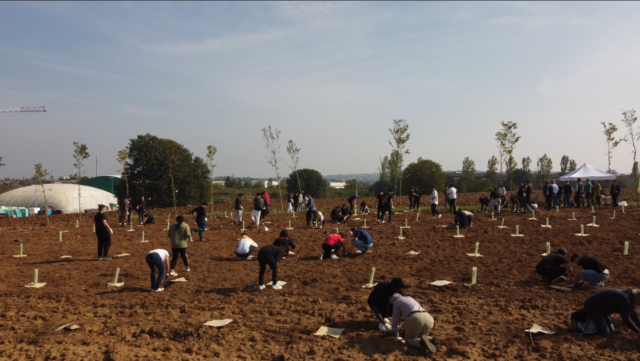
(587, 171)
(59, 196)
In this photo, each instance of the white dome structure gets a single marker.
(59, 196)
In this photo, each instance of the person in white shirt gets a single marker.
(452, 198)
(417, 323)
(318, 217)
(554, 194)
(502, 192)
(434, 202)
(158, 259)
(245, 247)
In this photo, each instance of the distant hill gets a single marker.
(369, 177)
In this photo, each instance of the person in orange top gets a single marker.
(331, 246)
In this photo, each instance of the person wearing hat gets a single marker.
(269, 255)
(158, 259)
(179, 234)
(361, 240)
(380, 301)
(245, 247)
(417, 323)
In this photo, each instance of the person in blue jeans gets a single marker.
(158, 259)
(593, 272)
(201, 219)
(361, 240)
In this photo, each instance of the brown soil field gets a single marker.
(477, 322)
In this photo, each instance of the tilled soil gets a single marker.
(486, 320)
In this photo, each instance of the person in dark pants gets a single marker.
(352, 200)
(141, 210)
(434, 203)
(527, 195)
(387, 206)
(336, 215)
(380, 198)
(566, 192)
(129, 209)
(593, 318)
(103, 232)
(615, 192)
(311, 209)
(269, 255)
(588, 191)
(295, 202)
(239, 208)
(285, 242)
(410, 195)
(201, 219)
(346, 212)
(265, 211)
(380, 301)
(516, 203)
(331, 245)
(245, 247)
(453, 197)
(124, 211)
(158, 259)
(548, 195)
(593, 272)
(553, 266)
(180, 235)
(416, 198)
(484, 204)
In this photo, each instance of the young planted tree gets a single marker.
(400, 136)
(510, 167)
(293, 151)
(39, 175)
(507, 139)
(544, 169)
(611, 141)
(80, 153)
(123, 155)
(492, 170)
(171, 159)
(468, 175)
(272, 138)
(572, 166)
(629, 120)
(564, 165)
(211, 153)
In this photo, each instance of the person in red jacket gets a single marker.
(331, 246)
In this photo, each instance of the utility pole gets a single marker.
(96, 165)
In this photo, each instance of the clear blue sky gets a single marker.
(330, 76)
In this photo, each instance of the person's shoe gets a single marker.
(106, 258)
(261, 287)
(160, 290)
(436, 342)
(249, 258)
(333, 256)
(598, 285)
(378, 221)
(283, 258)
(100, 258)
(573, 326)
(321, 256)
(425, 343)
(365, 251)
(276, 287)
(439, 215)
(188, 269)
(173, 273)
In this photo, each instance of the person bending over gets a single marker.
(284, 242)
(318, 217)
(553, 266)
(331, 245)
(593, 318)
(417, 323)
(361, 240)
(364, 208)
(336, 215)
(346, 212)
(245, 247)
(269, 255)
(593, 272)
(179, 234)
(380, 301)
(516, 203)
(352, 201)
(484, 204)
(463, 218)
(158, 259)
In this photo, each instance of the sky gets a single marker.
(331, 76)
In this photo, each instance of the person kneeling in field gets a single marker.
(336, 216)
(380, 301)
(364, 208)
(157, 259)
(553, 266)
(593, 272)
(245, 247)
(463, 218)
(593, 318)
(331, 246)
(361, 240)
(269, 255)
(417, 323)
(516, 203)
(284, 242)
(318, 217)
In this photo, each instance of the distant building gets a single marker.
(218, 183)
(273, 184)
(337, 185)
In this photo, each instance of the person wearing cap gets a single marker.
(103, 232)
(158, 259)
(593, 272)
(269, 255)
(593, 318)
(361, 240)
(179, 234)
(417, 323)
(245, 247)
(380, 301)
(201, 219)
(284, 242)
(553, 266)
(331, 245)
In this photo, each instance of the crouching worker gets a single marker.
(336, 216)
(593, 318)
(463, 218)
(158, 259)
(593, 272)
(319, 218)
(417, 323)
(516, 203)
(284, 242)
(364, 208)
(179, 234)
(380, 301)
(245, 247)
(361, 240)
(553, 266)
(331, 246)
(484, 204)
(269, 255)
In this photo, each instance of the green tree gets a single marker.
(564, 165)
(293, 151)
(211, 154)
(510, 166)
(544, 169)
(526, 166)
(123, 155)
(572, 166)
(507, 139)
(311, 181)
(468, 176)
(80, 153)
(39, 175)
(258, 184)
(629, 120)
(400, 136)
(272, 138)
(384, 169)
(247, 184)
(492, 169)
(612, 143)
(424, 174)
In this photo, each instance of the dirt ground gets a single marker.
(484, 321)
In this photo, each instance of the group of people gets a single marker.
(126, 208)
(296, 201)
(554, 267)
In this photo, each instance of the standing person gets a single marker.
(598, 195)
(410, 195)
(158, 259)
(380, 301)
(258, 205)
(527, 195)
(124, 210)
(285, 242)
(566, 192)
(295, 201)
(141, 210)
(553, 266)
(579, 194)
(331, 245)
(290, 203)
(103, 232)
(599, 307)
(615, 192)
(588, 187)
(361, 240)
(239, 208)
(502, 192)
(352, 201)
(265, 208)
(446, 196)
(548, 196)
(434, 203)
(129, 209)
(301, 201)
(387, 206)
(201, 219)
(417, 323)
(593, 272)
(380, 198)
(179, 234)
(311, 208)
(416, 198)
(452, 198)
(269, 255)
(245, 247)
(554, 194)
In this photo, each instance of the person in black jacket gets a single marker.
(336, 216)
(380, 301)
(284, 242)
(566, 191)
(416, 198)
(141, 210)
(553, 266)
(239, 208)
(594, 316)
(269, 255)
(615, 192)
(593, 271)
(201, 219)
(380, 198)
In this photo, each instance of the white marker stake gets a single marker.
(502, 225)
(35, 277)
(474, 274)
(142, 242)
(626, 248)
(477, 246)
(557, 209)
(593, 210)
(337, 230)
(94, 228)
(614, 214)
(417, 216)
(622, 209)
(77, 223)
(60, 236)
(365, 223)
(225, 214)
(517, 232)
(115, 279)
(373, 272)
(493, 219)
(131, 229)
(242, 226)
(582, 229)
(548, 247)
(21, 250)
(457, 231)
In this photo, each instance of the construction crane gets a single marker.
(23, 110)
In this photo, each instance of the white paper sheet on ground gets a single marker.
(37, 285)
(70, 326)
(413, 253)
(561, 288)
(122, 255)
(111, 284)
(181, 279)
(219, 323)
(130, 230)
(440, 283)
(357, 219)
(544, 254)
(359, 251)
(474, 255)
(65, 257)
(535, 329)
(291, 252)
(329, 331)
(369, 285)
(280, 283)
